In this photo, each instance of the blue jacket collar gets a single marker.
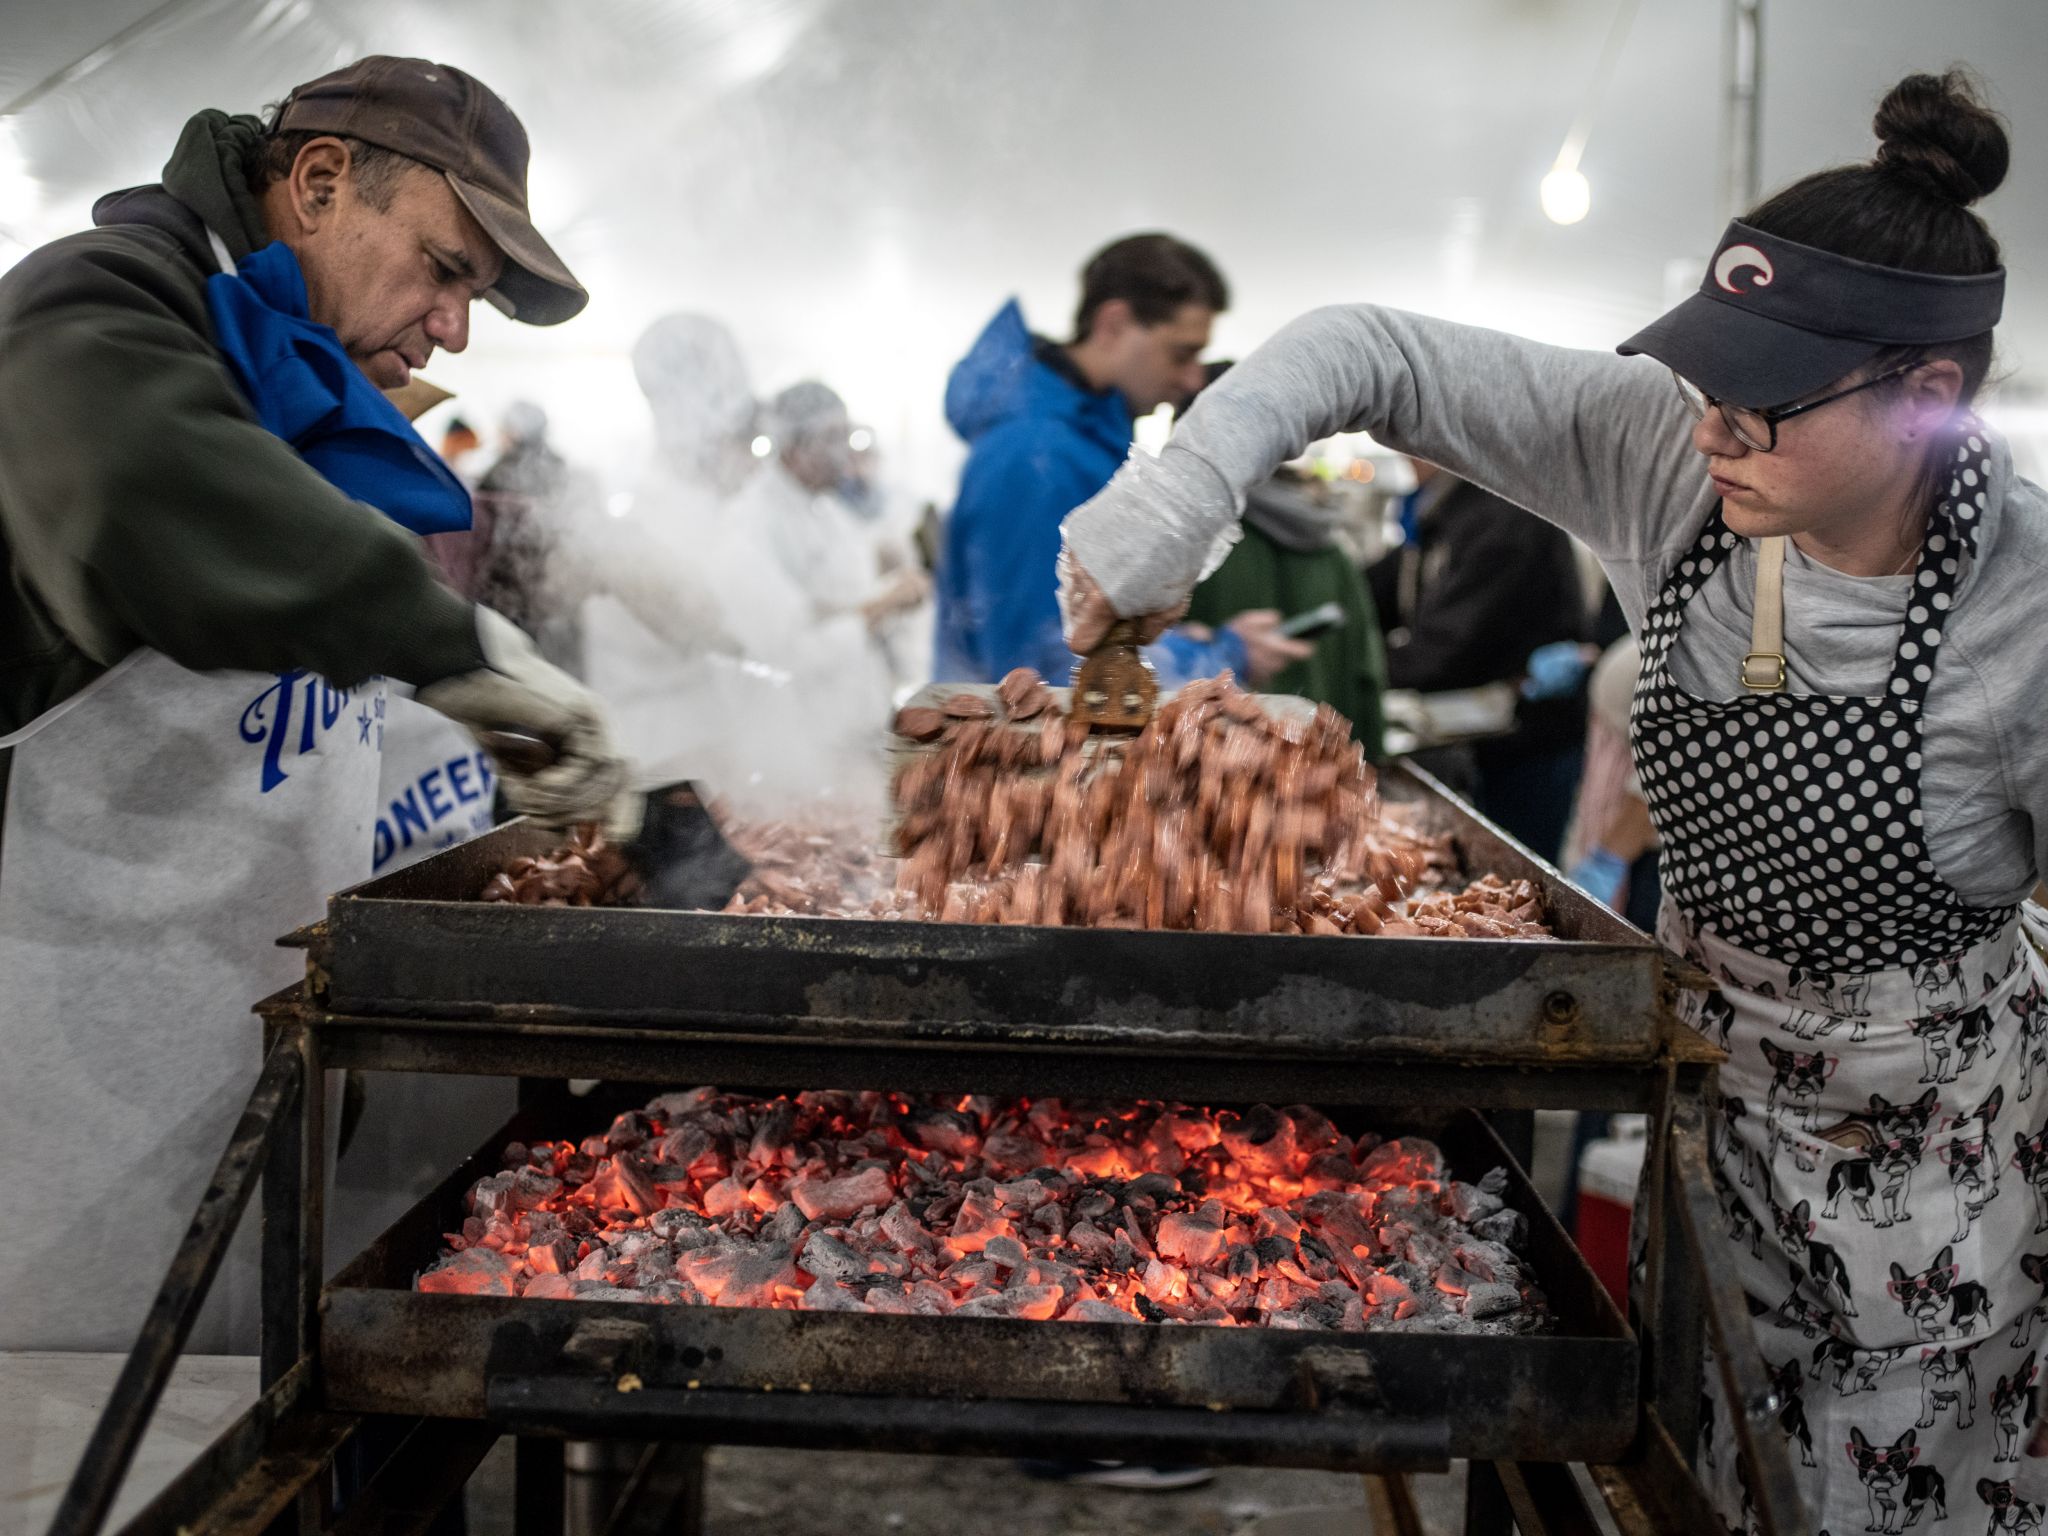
(306, 389)
(1003, 376)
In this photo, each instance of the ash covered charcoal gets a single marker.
(979, 1207)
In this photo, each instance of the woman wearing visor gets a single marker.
(1836, 580)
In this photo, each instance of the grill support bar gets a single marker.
(278, 1091)
(1333, 1439)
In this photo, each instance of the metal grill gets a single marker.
(411, 974)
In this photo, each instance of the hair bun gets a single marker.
(1934, 132)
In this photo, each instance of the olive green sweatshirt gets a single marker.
(141, 504)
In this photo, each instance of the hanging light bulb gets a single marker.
(1566, 194)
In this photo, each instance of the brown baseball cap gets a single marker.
(443, 118)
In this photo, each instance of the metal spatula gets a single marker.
(681, 855)
(1115, 688)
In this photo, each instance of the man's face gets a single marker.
(393, 282)
(1153, 364)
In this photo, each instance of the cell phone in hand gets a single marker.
(1316, 621)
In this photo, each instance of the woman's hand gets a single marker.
(1267, 651)
(1086, 616)
(1136, 549)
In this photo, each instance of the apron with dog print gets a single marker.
(1879, 1151)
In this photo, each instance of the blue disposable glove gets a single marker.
(1554, 670)
(1601, 875)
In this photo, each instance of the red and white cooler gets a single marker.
(1609, 1170)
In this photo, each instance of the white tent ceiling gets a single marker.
(856, 184)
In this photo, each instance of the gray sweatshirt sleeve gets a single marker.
(1596, 443)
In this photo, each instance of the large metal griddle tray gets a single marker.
(419, 944)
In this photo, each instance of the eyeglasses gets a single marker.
(1757, 427)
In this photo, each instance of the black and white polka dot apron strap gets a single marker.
(1950, 542)
(1693, 570)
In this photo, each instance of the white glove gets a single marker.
(1148, 536)
(517, 691)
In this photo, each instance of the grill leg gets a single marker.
(537, 1486)
(666, 1495)
(1486, 1502)
(1676, 1325)
(1390, 1506)
(294, 1191)
(293, 1250)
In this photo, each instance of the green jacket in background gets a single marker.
(141, 504)
(1349, 668)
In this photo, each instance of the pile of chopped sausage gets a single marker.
(822, 867)
(1217, 816)
(586, 871)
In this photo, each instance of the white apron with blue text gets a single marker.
(435, 790)
(163, 828)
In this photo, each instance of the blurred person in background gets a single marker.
(525, 502)
(1288, 563)
(904, 533)
(718, 662)
(832, 551)
(209, 520)
(1473, 590)
(1047, 424)
(792, 515)
(460, 445)
(658, 633)
(1610, 850)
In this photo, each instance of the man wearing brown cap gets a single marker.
(207, 520)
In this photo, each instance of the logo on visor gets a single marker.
(1734, 259)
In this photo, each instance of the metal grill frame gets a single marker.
(552, 1369)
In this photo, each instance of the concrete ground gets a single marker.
(756, 1492)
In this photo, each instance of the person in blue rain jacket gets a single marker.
(1046, 425)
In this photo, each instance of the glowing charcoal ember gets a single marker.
(979, 1219)
(826, 1257)
(1195, 1236)
(624, 1182)
(830, 1296)
(1005, 1252)
(553, 1257)
(942, 1130)
(472, 1272)
(1098, 1312)
(744, 1277)
(841, 1198)
(904, 1230)
(1034, 1209)
(1263, 1141)
(729, 1194)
